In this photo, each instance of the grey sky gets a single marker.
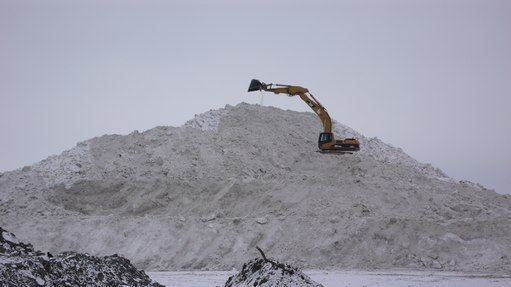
(431, 77)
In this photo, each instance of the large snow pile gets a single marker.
(269, 273)
(21, 265)
(201, 195)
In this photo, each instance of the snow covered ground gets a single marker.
(346, 278)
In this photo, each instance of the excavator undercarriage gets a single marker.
(326, 141)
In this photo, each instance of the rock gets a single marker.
(262, 220)
(210, 217)
(436, 265)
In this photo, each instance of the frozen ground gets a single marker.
(346, 278)
(203, 195)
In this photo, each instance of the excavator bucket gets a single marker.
(255, 85)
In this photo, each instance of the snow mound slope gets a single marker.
(374, 147)
(268, 273)
(250, 175)
(207, 121)
(21, 265)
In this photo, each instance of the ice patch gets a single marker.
(10, 237)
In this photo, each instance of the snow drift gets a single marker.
(202, 195)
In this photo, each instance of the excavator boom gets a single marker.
(326, 142)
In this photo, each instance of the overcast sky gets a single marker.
(431, 77)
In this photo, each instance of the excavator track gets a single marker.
(334, 151)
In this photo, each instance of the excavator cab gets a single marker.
(324, 138)
(328, 144)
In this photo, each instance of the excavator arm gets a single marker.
(326, 141)
(303, 93)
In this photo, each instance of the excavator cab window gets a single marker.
(324, 138)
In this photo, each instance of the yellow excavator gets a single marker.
(326, 142)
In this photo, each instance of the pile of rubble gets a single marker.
(265, 272)
(21, 265)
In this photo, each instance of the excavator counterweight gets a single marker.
(326, 141)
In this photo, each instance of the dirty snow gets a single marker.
(269, 273)
(21, 265)
(201, 196)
